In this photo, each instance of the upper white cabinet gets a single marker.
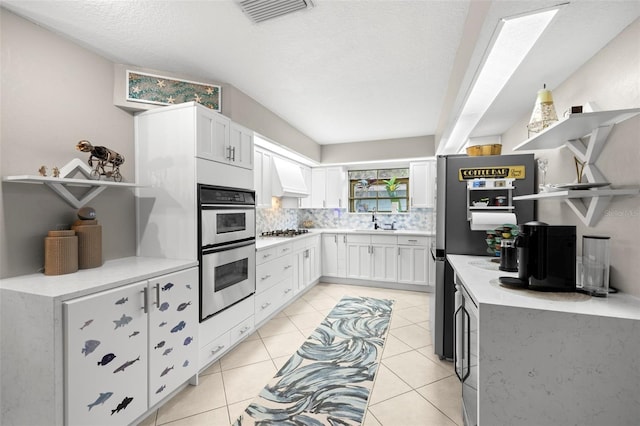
(219, 139)
(422, 178)
(328, 187)
(306, 202)
(262, 177)
(241, 146)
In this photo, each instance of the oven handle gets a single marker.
(205, 206)
(228, 247)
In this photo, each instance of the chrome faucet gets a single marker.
(374, 219)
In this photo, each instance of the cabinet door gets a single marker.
(306, 202)
(241, 142)
(212, 137)
(106, 361)
(335, 188)
(358, 260)
(421, 177)
(384, 262)
(173, 332)
(318, 187)
(330, 255)
(413, 267)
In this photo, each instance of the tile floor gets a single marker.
(413, 387)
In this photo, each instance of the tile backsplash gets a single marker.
(291, 218)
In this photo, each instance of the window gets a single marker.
(384, 190)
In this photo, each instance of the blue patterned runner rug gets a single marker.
(328, 380)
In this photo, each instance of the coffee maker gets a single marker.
(546, 257)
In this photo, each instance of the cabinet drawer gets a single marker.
(284, 249)
(359, 238)
(242, 330)
(214, 349)
(265, 255)
(271, 273)
(272, 299)
(384, 239)
(413, 240)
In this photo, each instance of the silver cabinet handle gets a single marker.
(339, 202)
(413, 241)
(264, 256)
(285, 249)
(265, 305)
(145, 307)
(344, 238)
(158, 295)
(335, 238)
(229, 152)
(234, 153)
(287, 267)
(266, 277)
(217, 349)
(287, 291)
(245, 329)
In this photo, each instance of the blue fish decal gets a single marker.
(86, 324)
(185, 363)
(162, 324)
(125, 402)
(183, 306)
(124, 320)
(164, 306)
(122, 301)
(167, 286)
(161, 388)
(100, 400)
(167, 351)
(188, 340)
(135, 333)
(159, 345)
(126, 364)
(166, 370)
(179, 327)
(189, 286)
(90, 346)
(106, 359)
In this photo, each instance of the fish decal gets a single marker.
(162, 324)
(106, 359)
(185, 363)
(126, 364)
(189, 286)
(86, 324)
(100, 400)
(188, 340)
(122, 301)
(167, 286)
(164, 306)
(159, 345)
(183, 306)
(161, 388)
(124, 320)
(135, 333)
(90, 346)
(125, 402)
(166, 370)
(167, 351)
(179, 327)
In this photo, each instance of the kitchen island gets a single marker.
(547, 358)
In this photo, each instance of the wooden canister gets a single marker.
(60, 252)
(89, 243)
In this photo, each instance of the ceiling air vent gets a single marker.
(262, 10)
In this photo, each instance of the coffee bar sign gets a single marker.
(511, 172)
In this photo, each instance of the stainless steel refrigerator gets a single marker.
(453, 231)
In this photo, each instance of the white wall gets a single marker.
(611, 79)
(379, 150)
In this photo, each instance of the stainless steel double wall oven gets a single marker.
(227, 239)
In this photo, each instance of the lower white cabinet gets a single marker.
(127, 348)
(307, 262)
(334, 255)
(274, 279)
(372, 257)
(413, 260)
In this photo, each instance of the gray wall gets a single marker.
(54, 94)
(386, 149)
(611, 79)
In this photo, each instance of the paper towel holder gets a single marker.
(480, 201)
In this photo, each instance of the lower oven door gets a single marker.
(227, 275)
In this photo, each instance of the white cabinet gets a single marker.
(129, 347)
(334, 255)
(422, 179)
(262, 177)
(372, 257)
(306, 202)
(413, 260)
(241, 146)
(328, 187)
(306, 253)
(274, 280)
(219, 139)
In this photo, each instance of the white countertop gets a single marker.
(112, 273)
(266, 242)
(480, 277)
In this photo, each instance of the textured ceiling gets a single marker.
(343, 71)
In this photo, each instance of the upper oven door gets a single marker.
(223, 224)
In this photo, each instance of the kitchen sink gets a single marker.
(381, 231)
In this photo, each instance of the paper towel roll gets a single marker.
(483, 221)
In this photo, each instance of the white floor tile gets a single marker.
(446, 395)
(409, 409)
(246, 382)
(415, 369)
(413, 335)
(244, 354)
(208, 395)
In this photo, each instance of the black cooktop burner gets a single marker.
(284, 233)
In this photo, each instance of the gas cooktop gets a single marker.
(284, 233)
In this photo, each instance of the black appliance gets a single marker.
(453, 233)
(546, 257)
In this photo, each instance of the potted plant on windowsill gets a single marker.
(392, 188)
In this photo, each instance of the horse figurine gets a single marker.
(103, 157)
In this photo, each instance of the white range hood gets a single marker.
(288, 180)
